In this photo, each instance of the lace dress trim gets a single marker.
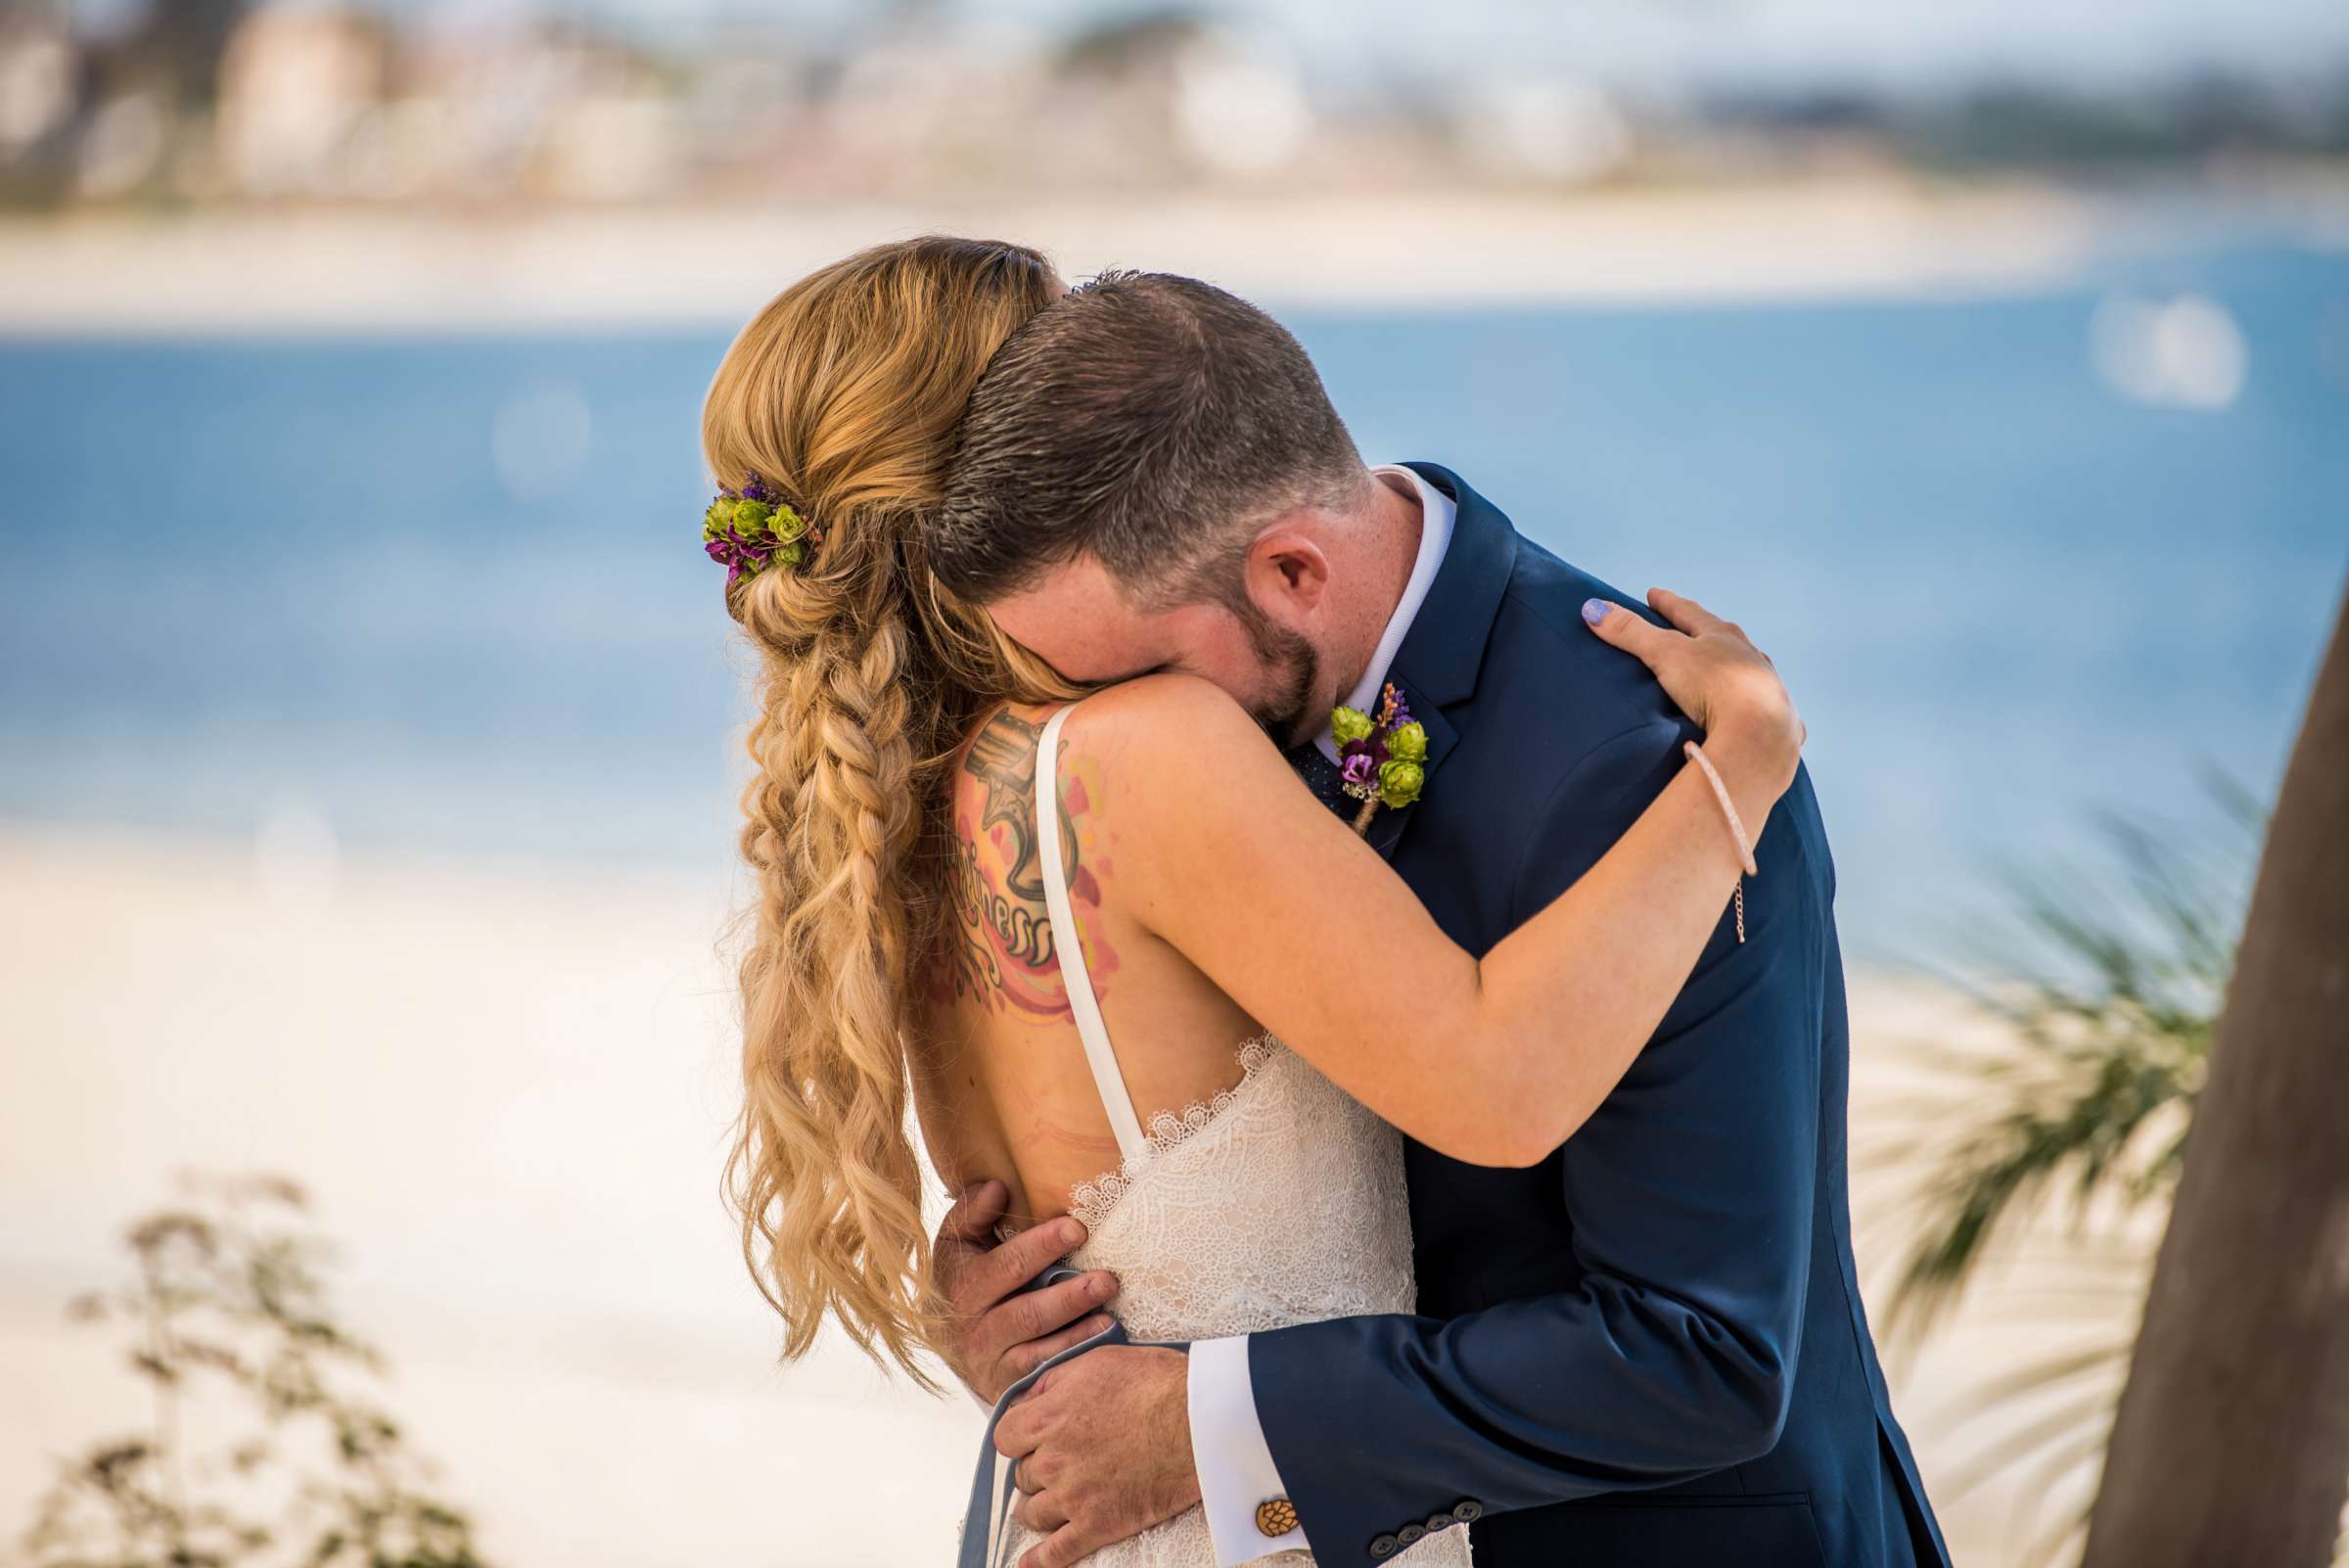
(1091, 1201)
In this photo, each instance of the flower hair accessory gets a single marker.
(1383, 760)
(754, 528)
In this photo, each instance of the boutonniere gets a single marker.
(1382, 759)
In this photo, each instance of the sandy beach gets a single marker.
(297, 270)
(507, 1087)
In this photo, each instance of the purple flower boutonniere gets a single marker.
(1383, 759)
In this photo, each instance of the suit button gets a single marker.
(1467, 1511)
(1276, 1516)
(1440, 1521)
(1409, 1533)
(1385, 1547)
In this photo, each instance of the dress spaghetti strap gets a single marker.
(1069, 952)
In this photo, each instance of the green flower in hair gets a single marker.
(750, 529)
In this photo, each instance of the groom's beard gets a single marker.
(1292, 667)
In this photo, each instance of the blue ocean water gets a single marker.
(447, 591)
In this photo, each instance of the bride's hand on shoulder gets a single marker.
(1715, 675)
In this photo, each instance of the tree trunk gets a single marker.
(2232, 1444)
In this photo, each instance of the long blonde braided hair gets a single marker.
(843, 394)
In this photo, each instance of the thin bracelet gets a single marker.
(1729, 809)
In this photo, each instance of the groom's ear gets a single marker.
(1287, 571)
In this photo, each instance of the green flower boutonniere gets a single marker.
(1383, 759)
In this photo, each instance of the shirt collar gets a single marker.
(1437, 511)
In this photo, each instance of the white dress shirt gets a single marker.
(1227, 1442)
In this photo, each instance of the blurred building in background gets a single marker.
(278, 101)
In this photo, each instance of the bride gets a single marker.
(1172, 1002)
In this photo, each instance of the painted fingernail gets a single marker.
(1595, 610)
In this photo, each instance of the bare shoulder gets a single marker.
(1171, 764)
(1154, 723)
(1129, 758)
(1150, 717)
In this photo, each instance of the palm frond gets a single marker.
(2106, 1359)
(2083, 1454)
(2051, 1434)
(2072, 1395)
(2100, 992)
(2114, 975)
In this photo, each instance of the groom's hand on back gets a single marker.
(1001, 1333)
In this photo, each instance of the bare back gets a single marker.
(1004, 1090)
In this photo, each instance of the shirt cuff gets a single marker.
(1228, 1451)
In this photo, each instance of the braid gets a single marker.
(844, 395)
(835, 826)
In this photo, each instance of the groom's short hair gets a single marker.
(1151, 421)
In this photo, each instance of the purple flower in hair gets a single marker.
(745, 553)
(737, 554)
(754, 528)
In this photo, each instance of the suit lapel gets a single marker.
(1438, 663)
(1386, 828)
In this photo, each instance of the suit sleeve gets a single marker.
(1690, 1195)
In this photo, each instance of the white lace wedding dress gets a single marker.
(1279, 1202)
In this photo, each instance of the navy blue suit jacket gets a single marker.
(1649, 1349)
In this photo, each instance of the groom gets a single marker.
(1647, 1349)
